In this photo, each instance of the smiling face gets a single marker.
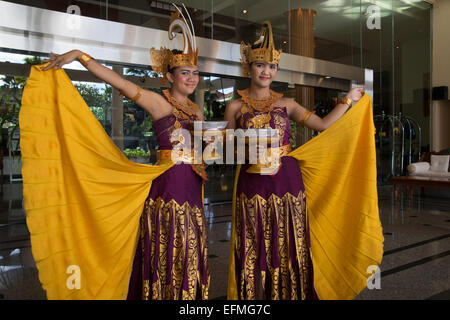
(184, 79)
(263, 73)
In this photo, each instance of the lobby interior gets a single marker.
(396, 49)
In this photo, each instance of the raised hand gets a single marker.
(355, 94)
(58, 60)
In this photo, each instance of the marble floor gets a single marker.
(416, 261)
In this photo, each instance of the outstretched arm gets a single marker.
(300, 115)
(148, 100)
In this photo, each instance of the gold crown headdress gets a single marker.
(263, 49)
(163, 60)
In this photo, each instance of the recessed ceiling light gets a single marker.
(327, 77)
(244, 11)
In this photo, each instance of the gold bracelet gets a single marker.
(84, 59)
(346, 101)
(306, 116)
(138, 94)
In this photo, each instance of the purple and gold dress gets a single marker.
(171, 260)
(272, 248)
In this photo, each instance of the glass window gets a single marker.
(390, 37)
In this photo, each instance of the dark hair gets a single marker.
(257, 46)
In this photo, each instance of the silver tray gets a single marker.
(211, 125)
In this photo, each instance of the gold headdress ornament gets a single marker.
(163, 60)
(263, 49)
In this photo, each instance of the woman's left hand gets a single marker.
(355, 94)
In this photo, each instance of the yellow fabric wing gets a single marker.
(339, 173)
(83, 197)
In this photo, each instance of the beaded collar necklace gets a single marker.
(180, 110)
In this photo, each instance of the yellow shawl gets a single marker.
(83, 197)
(339, 173)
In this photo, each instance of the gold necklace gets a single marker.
(180, 110)
(260, 105)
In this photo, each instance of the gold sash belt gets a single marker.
(267, 168)
(165, 157)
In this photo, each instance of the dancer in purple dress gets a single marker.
(270, 246)
(171, 258)
(271, 222)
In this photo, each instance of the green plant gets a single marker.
(293, 133)
(10, 102)
(98, 99)
(134, 153)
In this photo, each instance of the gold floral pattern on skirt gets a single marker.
(178, 251)
(273, 251)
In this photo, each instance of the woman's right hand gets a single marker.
(58, 60)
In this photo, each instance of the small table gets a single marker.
(416, 181)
